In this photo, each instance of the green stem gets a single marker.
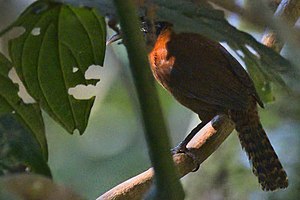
(167, 181)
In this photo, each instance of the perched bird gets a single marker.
(204, 77)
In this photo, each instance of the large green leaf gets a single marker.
(59, 38)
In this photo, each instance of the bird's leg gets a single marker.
(181, 148)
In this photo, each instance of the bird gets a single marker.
(204, 77)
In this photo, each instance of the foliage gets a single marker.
(19, 149)
(44, 57)
(45, 61)
(22, 132)
(59, 38)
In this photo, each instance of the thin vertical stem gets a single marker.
(166, 178)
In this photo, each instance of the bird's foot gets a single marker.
(181, 148)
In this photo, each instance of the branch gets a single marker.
(250, 16)
(259, 15)
(204, 143)
(289, 10)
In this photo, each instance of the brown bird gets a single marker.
(205, 78)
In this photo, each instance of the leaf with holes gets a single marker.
(28, 119)
(59, 38)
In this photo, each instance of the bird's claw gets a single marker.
(182, 149)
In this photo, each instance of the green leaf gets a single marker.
(206, 20)
(28, 114)
(22, 132)
(19, 149)
(58, 38)
(261, 81)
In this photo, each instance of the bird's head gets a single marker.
(150, 30)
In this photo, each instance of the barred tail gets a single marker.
(265, 163)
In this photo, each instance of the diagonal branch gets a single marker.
(209, 138)
(288, 10)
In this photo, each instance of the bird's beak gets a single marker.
(114, 38)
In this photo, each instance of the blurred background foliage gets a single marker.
(113, 148)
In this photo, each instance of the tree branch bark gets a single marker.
(204, 143)
(288, 10)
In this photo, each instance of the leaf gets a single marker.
(206, 20)
(19, 150)
(259, 78)
(21, 144)
(58, 38)
(28, 114)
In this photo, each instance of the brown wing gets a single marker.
(206, 73)
(240, 72)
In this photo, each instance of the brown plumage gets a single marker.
(204, 77)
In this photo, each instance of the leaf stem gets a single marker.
(167, 183)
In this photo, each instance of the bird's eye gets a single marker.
(144, 26)
(160, 26)
(144, 30)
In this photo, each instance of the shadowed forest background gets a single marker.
(113, 147)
